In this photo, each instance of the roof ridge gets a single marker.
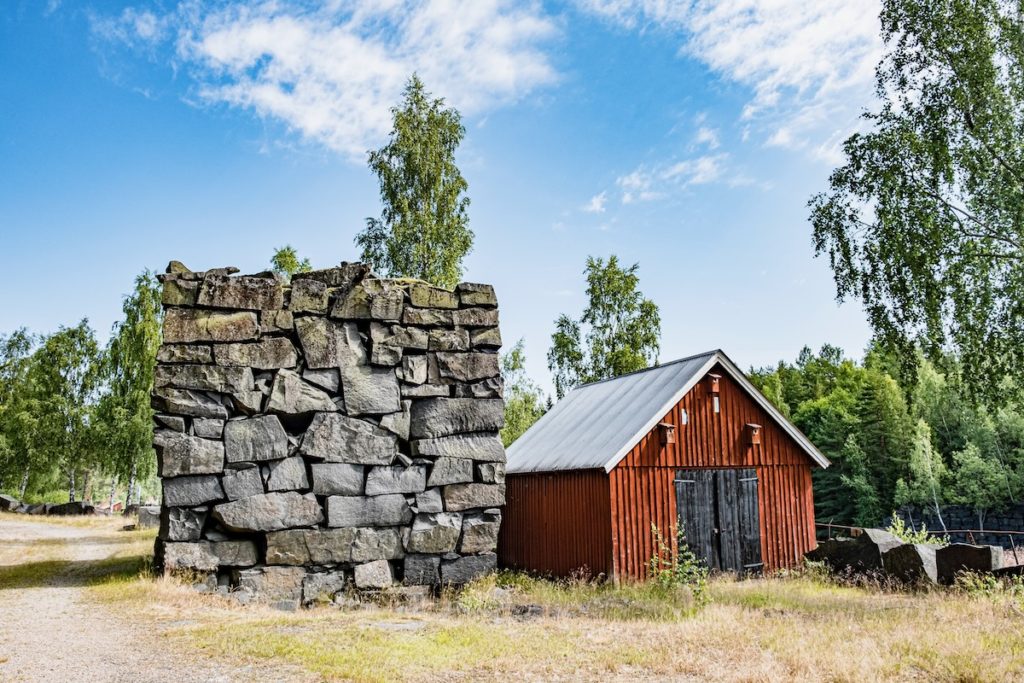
(653, 367)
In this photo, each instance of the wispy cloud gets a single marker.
(647, 183)
(805, 60)
(331, 72)
(596, 203)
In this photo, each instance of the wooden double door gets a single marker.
(719, 517)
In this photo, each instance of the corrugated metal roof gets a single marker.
(596, 425)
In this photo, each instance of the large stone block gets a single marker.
(459, 497)
(377, 544)
(414, 369)
(310, 546)
(267, 354)
(178, 292)
(450, 471)
(382, 480)
(435, 533)
(486, 338)
(250, 293)
(327, 379)
(178, 454)
(423, 295)
(475, 317)
(861, 554)
(406, 338)
(473, 294)
(269, 512)
(255, 439)
(272, 584)
(485, 388)
(184, 353)
(446, 416)
(235, 553)
(290, 395)
(328, 344)
(370, 390)
(374, 575)
(386, 356)
(480, 532)
(243, 482)
(398, 423)
(491, 472)
(322, 586)
(308, 296)
(288, 474)
(192, 490)
(336, 438)
(479, 447)
(225, 380)
(387, 510)
(467, 367)
(337, 479)
(188, 325)
(371, 300)
(429, 501)
(343, 276)
(428, 317)
(187, 402)
(441, 339)
(181, 524)
(911, 562)
(959, 557)
(465, 569)
(208, 428)
(421, 570)
(196, 557)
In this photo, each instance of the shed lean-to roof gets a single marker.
(596, 425)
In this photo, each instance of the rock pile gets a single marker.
(340, 429)
(879, 552)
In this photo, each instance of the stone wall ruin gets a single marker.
(338, 430)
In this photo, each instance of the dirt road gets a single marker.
(51, 631)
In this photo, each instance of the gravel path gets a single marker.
(53, 633)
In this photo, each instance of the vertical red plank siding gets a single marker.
(557, 522)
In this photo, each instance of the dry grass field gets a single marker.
(799, 627)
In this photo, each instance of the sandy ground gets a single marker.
(54, 633)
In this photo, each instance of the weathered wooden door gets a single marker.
(719, 516)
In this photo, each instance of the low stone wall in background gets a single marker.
(339, 430)
(1010, 518)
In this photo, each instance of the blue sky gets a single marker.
(684, 136)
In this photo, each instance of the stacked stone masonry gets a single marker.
(338, 430)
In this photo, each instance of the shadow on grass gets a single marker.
(72, 572)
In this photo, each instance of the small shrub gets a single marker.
(901, 531)
(679, 567)
(984, 585)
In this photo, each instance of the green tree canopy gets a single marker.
(124, 416)
(285, 261)
(65, 375)
(423, 231)
(524, 400)
(618, 332)
(925, 220)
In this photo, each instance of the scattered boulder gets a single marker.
(860, 554)
(911, 563)
(9, 503)
(958, 557)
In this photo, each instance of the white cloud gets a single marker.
(331, 72)
(647, 183)
(596, 203)
(707, 136)
(806, 61)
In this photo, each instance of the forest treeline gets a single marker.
(925, 441)
(75, 419)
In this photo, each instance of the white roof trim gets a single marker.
(720, 358)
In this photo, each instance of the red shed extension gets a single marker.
(690, 441)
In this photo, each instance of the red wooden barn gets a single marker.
(690, 441)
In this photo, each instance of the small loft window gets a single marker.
(717, 405)
(684, 419)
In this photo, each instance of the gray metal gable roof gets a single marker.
(596, 425)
